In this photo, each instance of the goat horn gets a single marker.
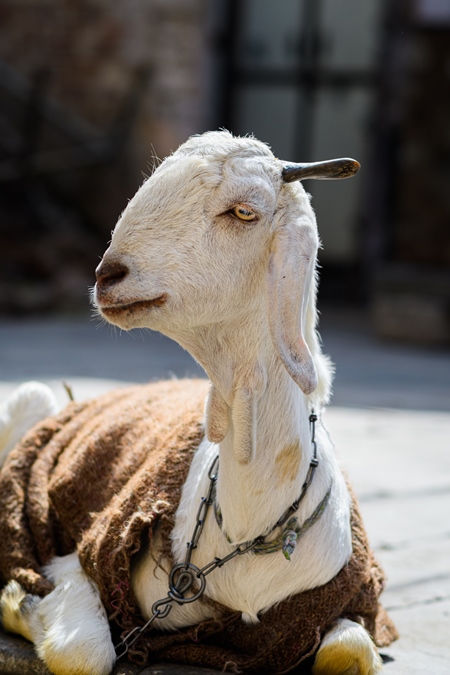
(329, 170)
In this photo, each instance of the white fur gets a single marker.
(27, 405)
(68, 626)
(240, 297)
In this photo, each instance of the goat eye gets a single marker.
(243, 212)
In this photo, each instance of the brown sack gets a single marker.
(101, 475)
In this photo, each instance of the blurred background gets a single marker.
(92, 91)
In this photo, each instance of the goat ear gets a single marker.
(333, 169)
(216, 416)
(290, 274)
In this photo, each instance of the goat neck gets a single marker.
(258, 417)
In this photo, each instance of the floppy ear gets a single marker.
(290, 274)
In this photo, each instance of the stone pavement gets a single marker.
(390, 422)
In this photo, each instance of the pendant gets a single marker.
(289, 544)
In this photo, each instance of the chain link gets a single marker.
(185, 576)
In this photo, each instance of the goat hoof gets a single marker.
(347, 650)
(16, 607)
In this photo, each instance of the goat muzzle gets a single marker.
(109, 273)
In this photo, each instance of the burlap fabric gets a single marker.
(101, 475)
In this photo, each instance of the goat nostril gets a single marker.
(108, 273)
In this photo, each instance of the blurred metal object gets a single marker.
(432, 12)
(303, 79)
(406, 236)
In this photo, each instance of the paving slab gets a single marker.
(17, 657)
(418, 573)
(424, 645)
(399, 463)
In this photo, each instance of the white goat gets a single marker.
(217, 250)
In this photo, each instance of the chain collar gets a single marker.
(289, 537)
(287, 540)
(186, 576)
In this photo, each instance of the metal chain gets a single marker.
(184, 576)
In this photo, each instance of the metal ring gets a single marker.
(194, 573)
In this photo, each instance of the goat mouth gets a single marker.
(114, 310)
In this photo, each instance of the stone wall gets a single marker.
(54, 225)
(93, 48)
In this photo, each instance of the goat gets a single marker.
(217, 250)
